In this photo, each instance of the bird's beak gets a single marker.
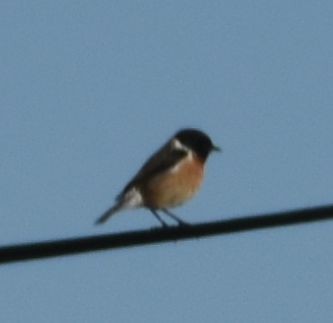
(216, 148)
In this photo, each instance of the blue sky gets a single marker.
(89, 89)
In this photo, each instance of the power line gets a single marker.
(54, 248)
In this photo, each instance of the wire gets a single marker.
(54, 248)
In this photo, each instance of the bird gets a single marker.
(169, 178)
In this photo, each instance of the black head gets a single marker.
(198, 141)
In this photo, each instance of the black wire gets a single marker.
(54, 248)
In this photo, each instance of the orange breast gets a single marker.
(175, 187)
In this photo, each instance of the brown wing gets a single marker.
(161, 161)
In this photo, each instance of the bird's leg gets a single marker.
(158, 217)
(171, 215)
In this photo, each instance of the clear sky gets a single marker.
(89, 89)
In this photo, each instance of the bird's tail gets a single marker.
(107, 214)
(129, 199)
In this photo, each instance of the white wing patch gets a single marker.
(132, 199)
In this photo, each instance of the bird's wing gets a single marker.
(161, 161)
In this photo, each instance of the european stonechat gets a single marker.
(169, 177)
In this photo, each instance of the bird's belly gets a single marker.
(174, 187)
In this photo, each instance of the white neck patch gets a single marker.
(176, 144)
(179, 146)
